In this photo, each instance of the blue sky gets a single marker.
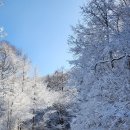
(40, 28)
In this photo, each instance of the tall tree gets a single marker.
(101, 66)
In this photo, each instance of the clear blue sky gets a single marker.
(40, 28)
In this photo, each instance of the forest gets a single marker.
(94, 94)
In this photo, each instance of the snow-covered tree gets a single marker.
(101, 71)
(59, 116)
(10, 67)
(24, 96)
(57, 81)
